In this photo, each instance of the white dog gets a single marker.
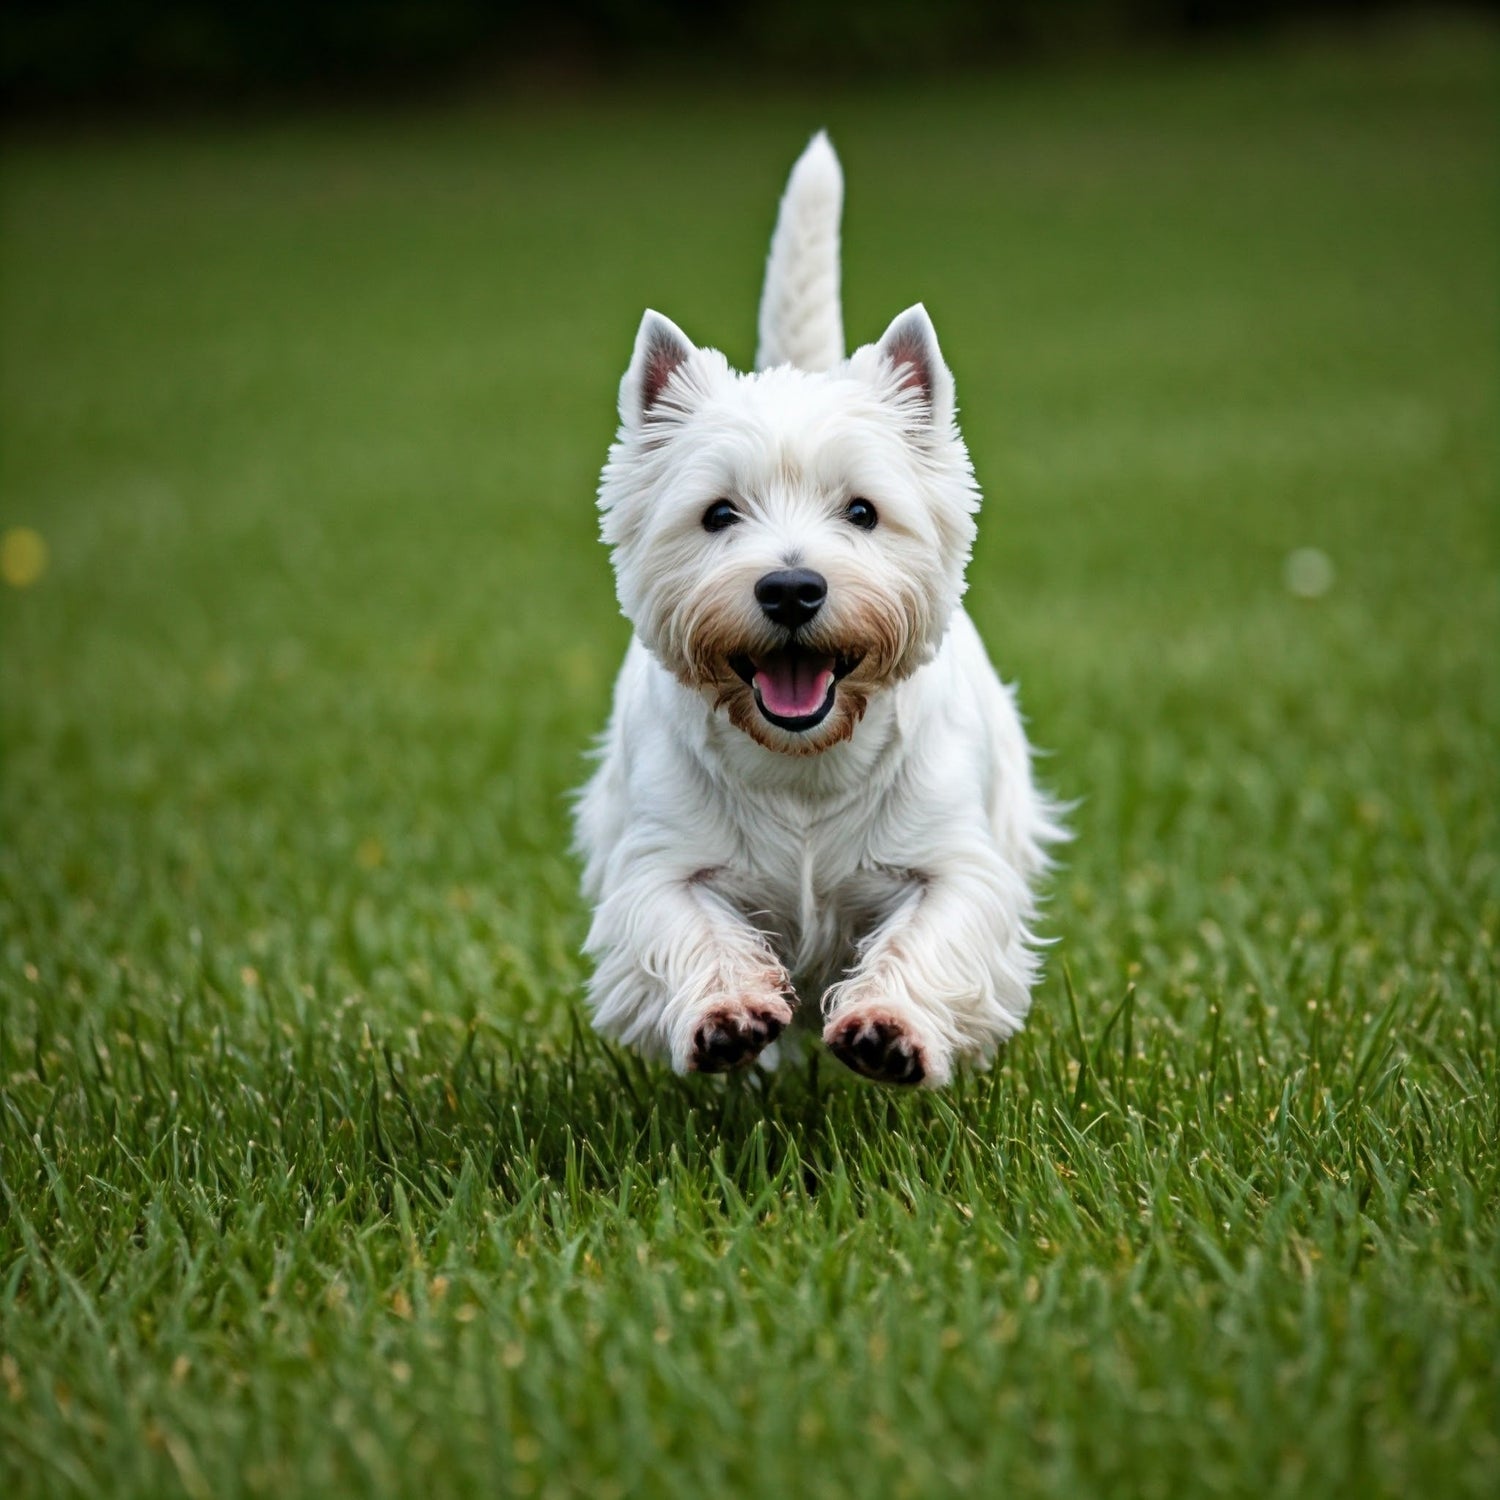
(813, 783)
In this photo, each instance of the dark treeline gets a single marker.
(61, 52)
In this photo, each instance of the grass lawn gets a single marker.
(314, 1180)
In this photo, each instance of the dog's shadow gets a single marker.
(590, 1121)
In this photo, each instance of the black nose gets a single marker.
(792, 596)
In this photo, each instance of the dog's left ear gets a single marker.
(661, 348)
(909, 350)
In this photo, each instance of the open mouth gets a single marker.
(794, 687)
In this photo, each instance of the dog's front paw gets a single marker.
(877, 1043)
(733, 1033)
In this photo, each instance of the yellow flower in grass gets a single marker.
(23, 556)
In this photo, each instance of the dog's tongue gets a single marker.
(792, 684)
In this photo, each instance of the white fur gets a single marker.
(801, 322)
(883, 865)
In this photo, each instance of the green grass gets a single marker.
(313, 1179)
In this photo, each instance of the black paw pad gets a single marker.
(878, 1047)
(733, 1038)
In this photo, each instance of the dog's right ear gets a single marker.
(661, 348)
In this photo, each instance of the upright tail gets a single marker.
(801, 322)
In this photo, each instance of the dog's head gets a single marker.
(789, 544)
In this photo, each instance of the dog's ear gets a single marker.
(909, 350)
(660, 348)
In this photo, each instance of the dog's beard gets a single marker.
(797, 692)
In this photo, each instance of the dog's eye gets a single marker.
(719, 515)
(862, 514)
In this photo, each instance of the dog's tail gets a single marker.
(801, 322)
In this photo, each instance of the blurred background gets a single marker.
(311, 319)
(215, 51)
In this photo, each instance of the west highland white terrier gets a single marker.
(813, 783)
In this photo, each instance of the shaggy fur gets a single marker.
(869, 861)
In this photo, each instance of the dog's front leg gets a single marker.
(679, 971)
(948, 974)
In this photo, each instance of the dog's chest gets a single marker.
(812, 884)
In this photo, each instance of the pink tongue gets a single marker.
(793, 686)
